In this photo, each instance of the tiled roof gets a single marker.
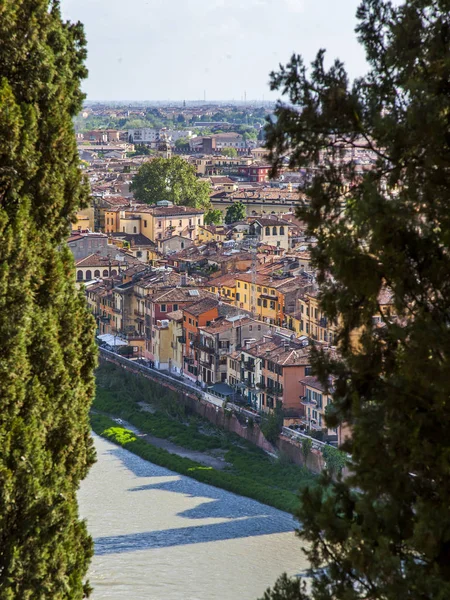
(202, 306)
(95, 260)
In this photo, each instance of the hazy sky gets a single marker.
(177, 49)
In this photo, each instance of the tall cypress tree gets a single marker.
(47, 351)
(383, 533)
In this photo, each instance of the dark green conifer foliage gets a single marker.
(384, 533)
(47, 353)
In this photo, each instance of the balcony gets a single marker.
(307, 401)
(201, 345)
(249, 365)
(139, 313)
(117, 310)
(105, 318)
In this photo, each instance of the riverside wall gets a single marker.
(224, 418)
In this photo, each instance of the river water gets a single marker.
(162, 536)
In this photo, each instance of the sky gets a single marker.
(218, 49)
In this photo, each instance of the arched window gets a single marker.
(97, 273)
(282, 230)
(134, 229)
(267, 230)
(123, 229)
(105, 272)
(88, 275)
(113, 272)
(79, 275)
(274, 231)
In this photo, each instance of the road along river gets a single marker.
(162, 536)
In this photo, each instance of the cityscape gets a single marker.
(224, 324)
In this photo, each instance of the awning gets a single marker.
(112, 340)
(221, 389)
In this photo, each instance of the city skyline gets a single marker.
(214, 52)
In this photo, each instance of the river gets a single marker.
(162, 536)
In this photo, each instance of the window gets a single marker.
(159, 236)
(180, 223)
(80, 275)
(145, 223)
(282, 230)
(159, 223)
(265, 290)
(107, 221)
(274, 231)
(239, 284)
(190, 321)
(163, 308)
(307, 371)
(97, 273)
(258, 289)
(267, 230)
(184, 318)
(265, 303)
(198, 221)
(105, 272)
(88, 275)
(245, 286)
(258, 302)
(134, 230)
(250, 328)
(272, 304)
(170, 223)
(175, 307)
(238, 296)
(245, 297)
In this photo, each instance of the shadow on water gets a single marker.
(248, 518)
(249, 527)
(223, 504)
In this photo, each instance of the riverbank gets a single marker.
(155, 410)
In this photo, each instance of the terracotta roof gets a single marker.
(202, 306)
(223, 324)
(223, 280)
(95, 260)
(179, 294)
(175, 315)
(313, 382)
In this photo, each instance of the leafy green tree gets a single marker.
(213, 217)
(335, 460)
(181, 142)
(272, 424)
(171, 179)
(46, 333)
(384, 532)
(235, 212)
(231, 152)
(306, 448)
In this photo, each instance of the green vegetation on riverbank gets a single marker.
(251, 473)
